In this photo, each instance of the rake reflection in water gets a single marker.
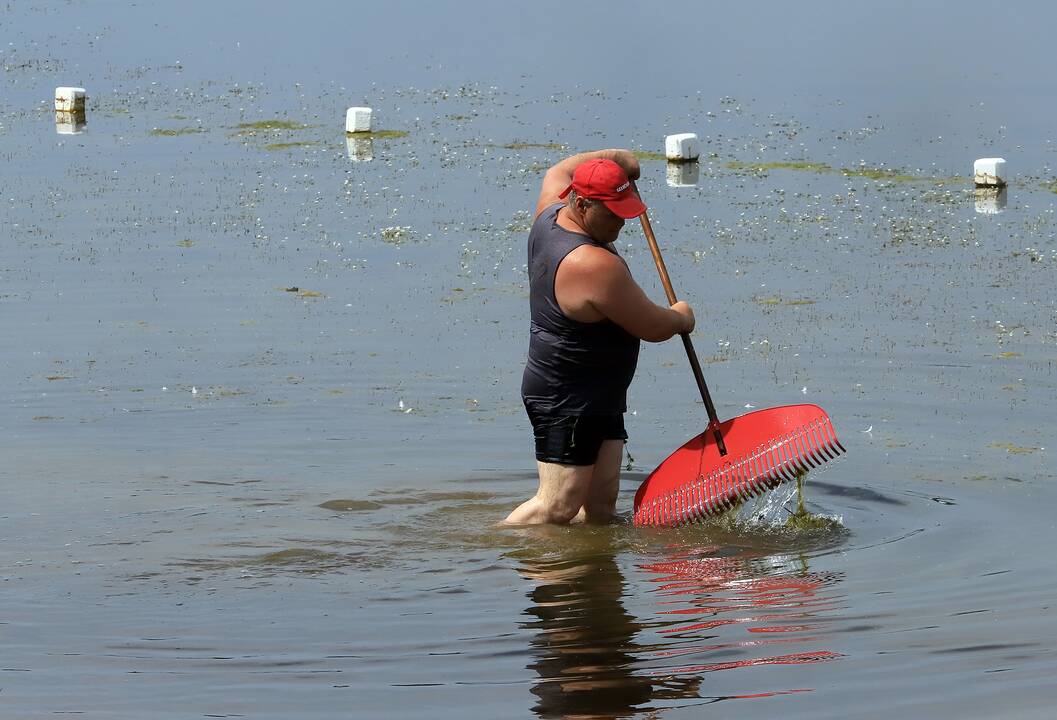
(715, 609)
(774, 598)
(584, 647)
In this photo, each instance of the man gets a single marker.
(588, 316)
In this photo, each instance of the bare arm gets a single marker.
(593, 283)
(560, 175)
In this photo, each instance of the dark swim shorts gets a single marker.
(574, 439)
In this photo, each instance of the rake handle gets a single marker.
(695, 365)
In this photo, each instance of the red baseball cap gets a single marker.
(604, 180)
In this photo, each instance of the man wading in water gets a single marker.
(588, 316)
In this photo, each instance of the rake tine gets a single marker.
(757, 483)
(758, 471)
(763, 470)
(745, 488)
(811, 445)
(782, 472)
(819, 438)
(835, 440)
(802, 442)
(792, 464)
(827, 438)
(743, 478)
(831, 439)
(804, 464)
(761, 464)
(764, 465)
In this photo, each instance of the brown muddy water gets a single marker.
(261, 410)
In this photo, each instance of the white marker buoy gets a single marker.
(989, 172)
(358, 119)
(70, 123)
(990, 200)
(682, 174)
(361, 149)
(69, 99)
(681, 147)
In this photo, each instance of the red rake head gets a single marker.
(764, 449)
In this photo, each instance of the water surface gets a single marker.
(262, 408)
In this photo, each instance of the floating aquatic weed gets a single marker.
(300, 292)
(775, 300)
(289, 145)
(802, 520)
(377, 134)
(897, 176)
(397, 234)
(1014, 449)
(250, 127)
(649, 155)
(176, 132)
(529, 145)
(521, 222)
(801, 165)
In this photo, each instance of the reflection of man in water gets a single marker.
(588, 316)
(584, 650)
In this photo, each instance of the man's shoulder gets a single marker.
(547, 211)
(590, 258)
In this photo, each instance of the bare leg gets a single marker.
(601, 503)
(563, 490)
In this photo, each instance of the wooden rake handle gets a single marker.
(695, 365)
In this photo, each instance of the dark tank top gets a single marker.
(573, 368)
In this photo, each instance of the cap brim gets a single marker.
(564, 193)
(627, 207)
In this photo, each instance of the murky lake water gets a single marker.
(262, 404)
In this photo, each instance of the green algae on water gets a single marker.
(800, 165)
(289, 145)
(1014, 449)
(649, 155)
(897, 176)
(176, 132)
(884, 174)
(775, 300)
(529, 145)
(378, 134)
(270, 125)
(802, 520)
